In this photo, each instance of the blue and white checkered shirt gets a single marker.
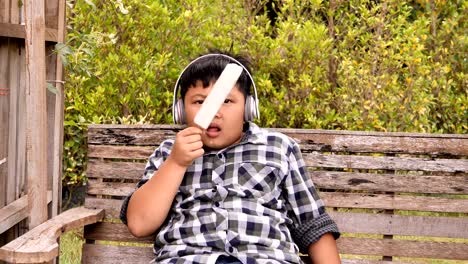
(253, 200)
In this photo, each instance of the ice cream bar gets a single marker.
(218, 94)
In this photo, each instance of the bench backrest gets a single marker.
(392, 195)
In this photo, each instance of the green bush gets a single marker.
(356, 65)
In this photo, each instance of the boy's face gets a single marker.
(226, 127)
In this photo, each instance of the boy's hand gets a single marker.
(187, 147)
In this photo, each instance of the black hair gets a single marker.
(209, 68)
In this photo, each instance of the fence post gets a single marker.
(36, 112)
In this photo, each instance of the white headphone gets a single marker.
(251, 110)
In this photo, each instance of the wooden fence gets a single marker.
(31, 116)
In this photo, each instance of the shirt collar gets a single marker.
(253, 134)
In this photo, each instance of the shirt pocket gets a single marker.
(259, 178)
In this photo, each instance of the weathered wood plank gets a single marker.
(12, 190)
(365, 261)
(338, 200)
(390, 224)
(403, 248)
(362, 142)
(4, 11)
(18, 31)
(136, 135)
(51, 13)
(4, 115)
(96, 187)
(5, 94)
(120, 152)
(15, 212)
(395, 202)
(36, 112)
(312, 159)
(59, 114)
(358, 246)
(385, 163)
(50, 106)
(113, 232)
(306, 260)
(15, 12)
(123, 189)
(115, 170)
(390, 182)
(322, 179)
(40, 244)
(430, 226)
(324, 140)
(22, 125)
(111, 206)
(107, 254)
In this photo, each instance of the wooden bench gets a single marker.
(395, 196)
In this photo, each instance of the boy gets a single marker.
(233, 193)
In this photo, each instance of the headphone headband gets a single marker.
(176, 87)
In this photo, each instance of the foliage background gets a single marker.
(395, 65)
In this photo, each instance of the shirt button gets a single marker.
(217, 204)
(214, 189)
(230, 249)
(220, 156)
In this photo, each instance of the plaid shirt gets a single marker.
(253, 200)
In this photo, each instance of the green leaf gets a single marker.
(51, 88)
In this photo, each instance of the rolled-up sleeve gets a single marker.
(154, 162)
(306, 210)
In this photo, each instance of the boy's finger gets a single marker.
(195, 146)
(191, 131)
(192, 138)
(198, 153)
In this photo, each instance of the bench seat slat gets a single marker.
(331, 140)
(111, 206)
(120, 152)
(13, 213)
(314, 160)
(347, 245)
(390, 182)
(322, 179)
(143, 152)
(115, 169)
(385, 163)
(365, 261)
(339, 200)
(394, 202)
(403, 248)
(110, 188)
(113, 232)
(451, 227)
(429, 226)
(362, 143)
(109, 254)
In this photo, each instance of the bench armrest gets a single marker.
(40, 243)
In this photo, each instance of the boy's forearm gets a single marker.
(149, 205)
(324, 250)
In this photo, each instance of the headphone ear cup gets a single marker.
(179, 112)
(250, 110)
